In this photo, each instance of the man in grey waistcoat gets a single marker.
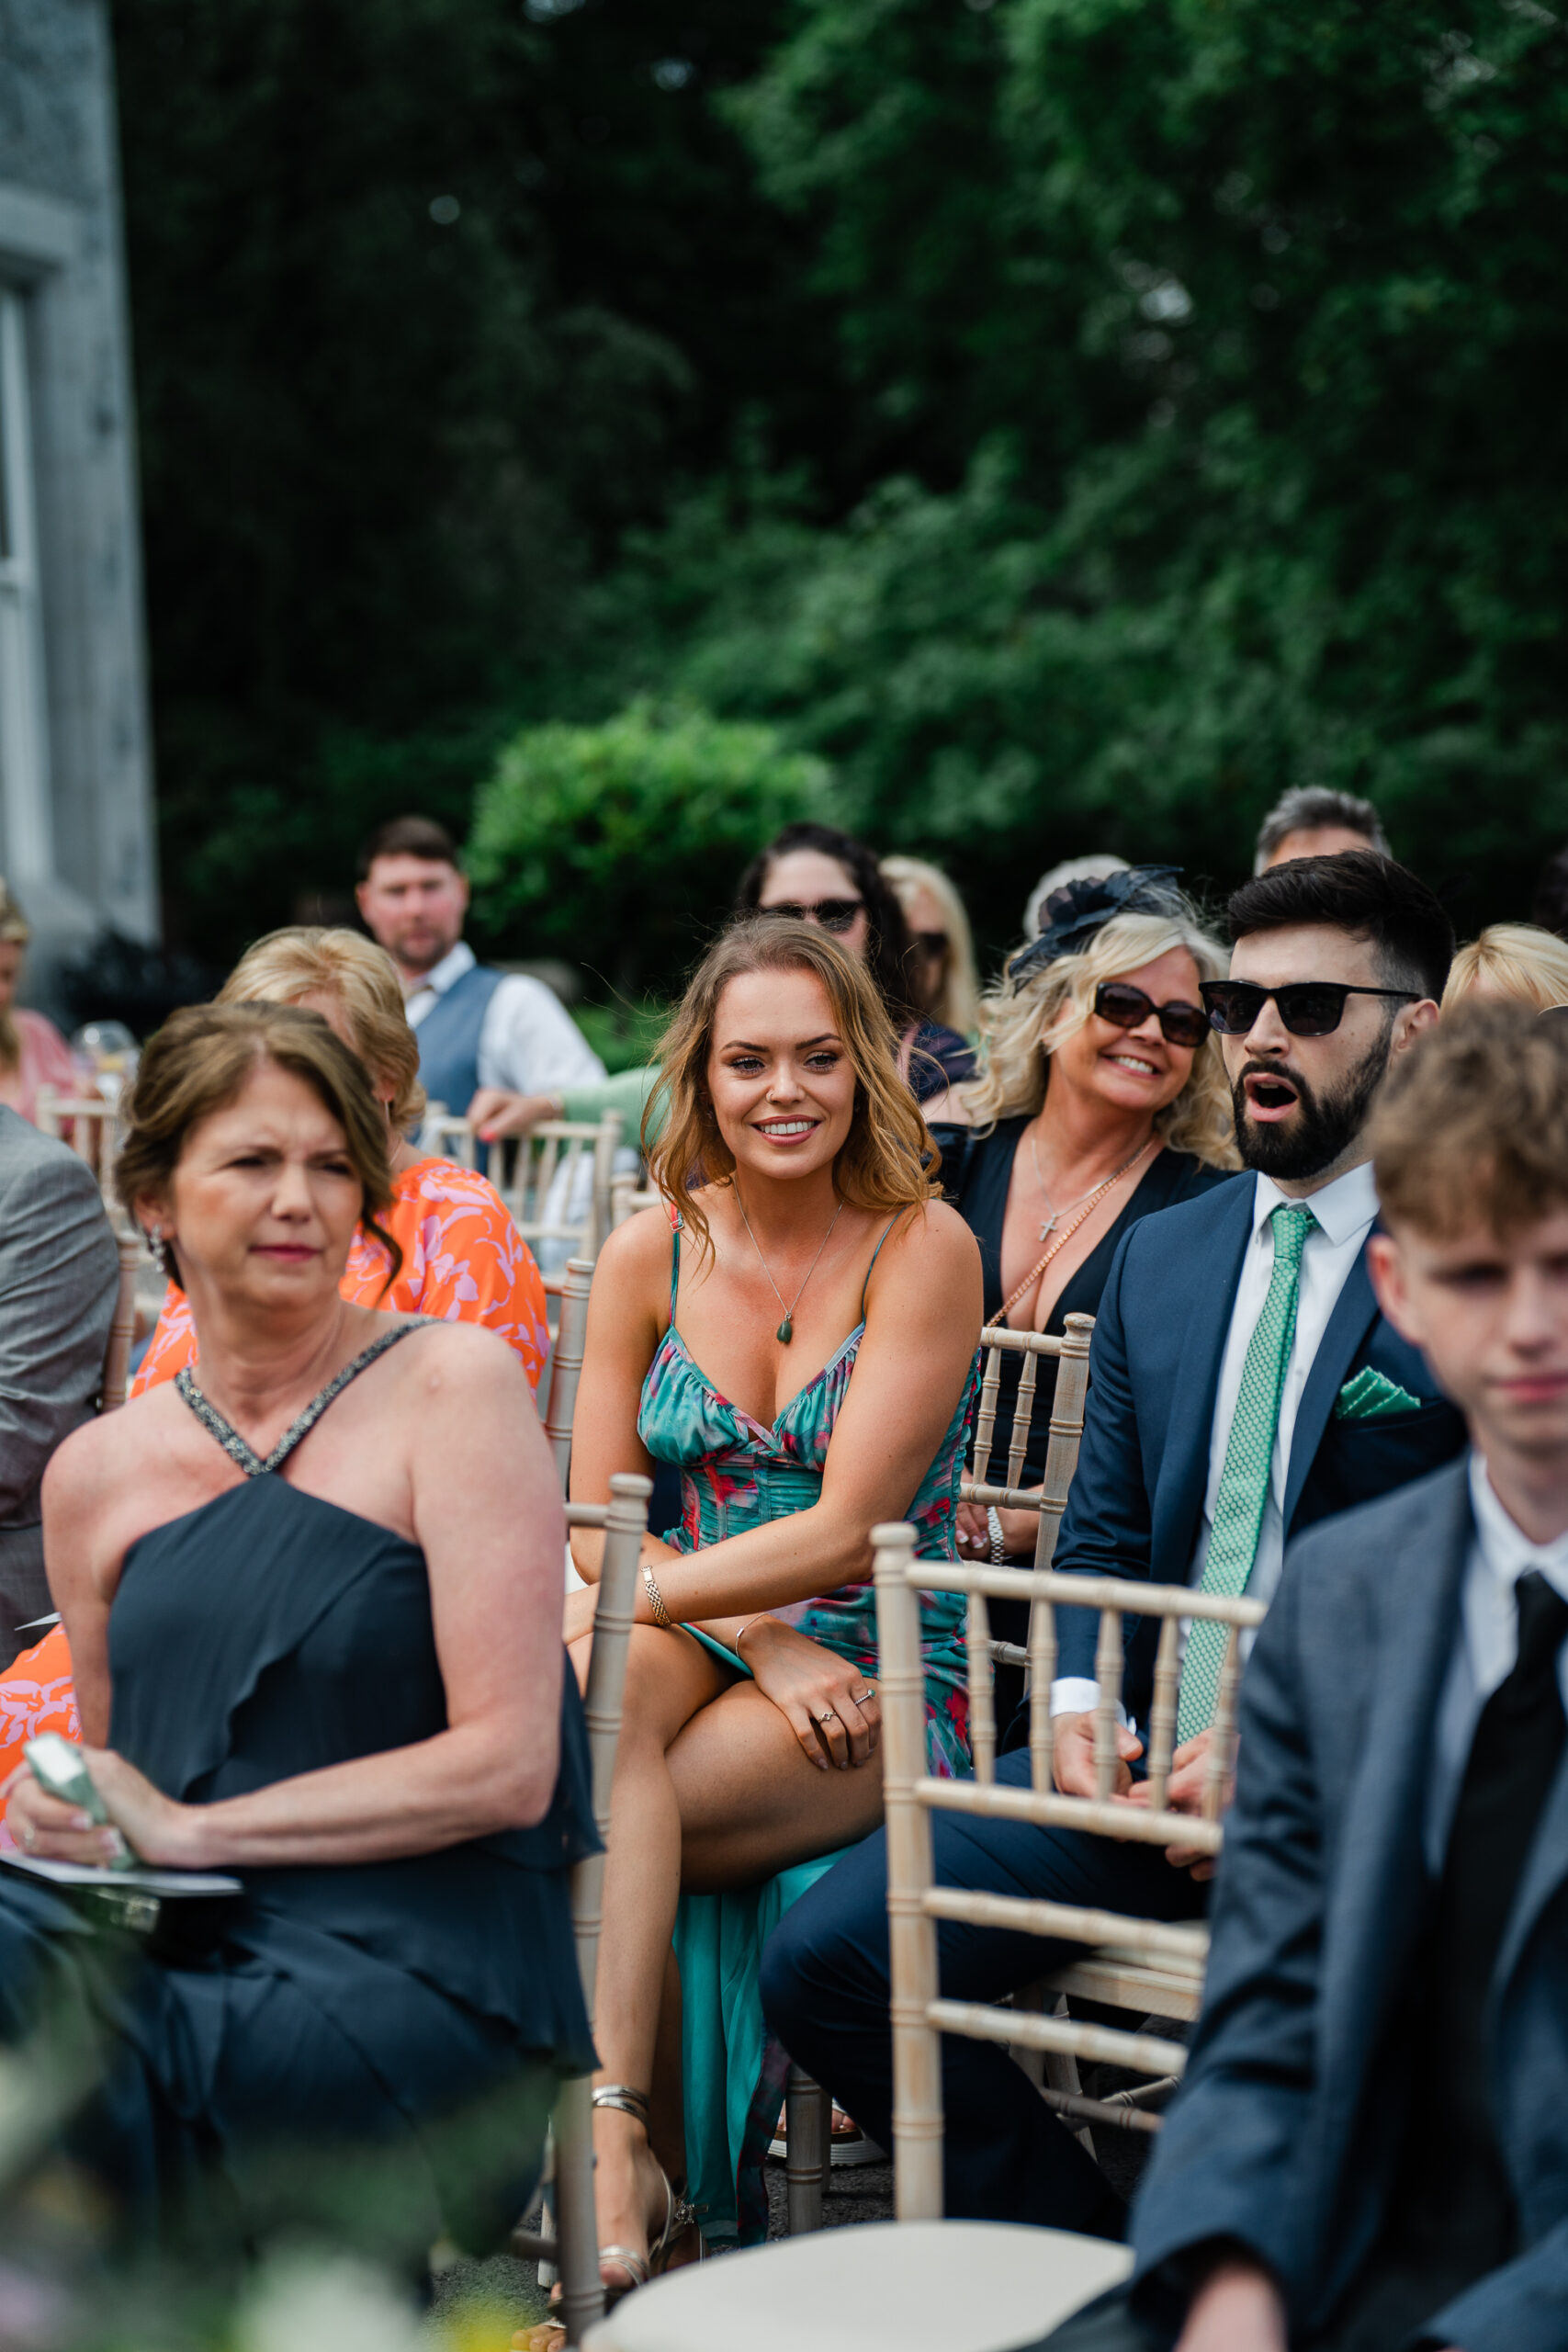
(59, 1272)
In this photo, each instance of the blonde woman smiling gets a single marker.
(1102, 1099)
(796, 1333)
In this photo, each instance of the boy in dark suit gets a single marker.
(1370, 2153)
(1243, 1385)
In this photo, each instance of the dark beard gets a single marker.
(1326, 1125)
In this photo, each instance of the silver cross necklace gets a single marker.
(1055, 1215)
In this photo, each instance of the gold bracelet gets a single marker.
(656, 1600)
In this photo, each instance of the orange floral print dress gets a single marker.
(463, 1261)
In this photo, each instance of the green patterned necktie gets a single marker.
(1249, 1456)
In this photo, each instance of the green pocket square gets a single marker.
(1372, 1396)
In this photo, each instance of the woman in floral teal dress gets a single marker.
(796, 1331)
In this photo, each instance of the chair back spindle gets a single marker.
(566, 1360)
(122, 1329)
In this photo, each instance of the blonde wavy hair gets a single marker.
(1021, 1031)
(886, 1162)
(1511, 959)
(957, 1000)
(309, 960)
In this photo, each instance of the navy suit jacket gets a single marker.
(1137, 1497)
(1286, 2131)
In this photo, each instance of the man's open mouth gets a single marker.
(1271, 1098)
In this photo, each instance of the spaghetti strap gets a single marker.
(245, 1455)
(875, 1255)
(675, 1264)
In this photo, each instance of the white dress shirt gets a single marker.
(1345, 1210)
(528, 1042)
(1488, 1645)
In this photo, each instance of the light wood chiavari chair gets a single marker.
(556, 1179)
(806, 2107)
(626, 1196)
(87, 1122)
(1148, 1966)
(122, 1329)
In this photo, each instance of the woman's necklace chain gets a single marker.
(785, 1331)
(1086, 1208)
(1054, 1220)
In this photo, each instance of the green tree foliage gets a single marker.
(1282, 281)
(431, 298)
(1073, 420)
(618, 845)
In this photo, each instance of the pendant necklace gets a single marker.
(1085, 1209)
(1054, 1219)
(785, 1331)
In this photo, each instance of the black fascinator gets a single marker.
(1074, 913)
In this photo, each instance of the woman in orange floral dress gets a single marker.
(463, 1259)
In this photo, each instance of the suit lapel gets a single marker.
(1379, 1900)
(1206, 1317)
(1544, 1872)
(1355, 1311)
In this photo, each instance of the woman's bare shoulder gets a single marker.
(932, 1239)
(104, 1456)
(636, 1254)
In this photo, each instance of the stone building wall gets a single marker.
(76, 838)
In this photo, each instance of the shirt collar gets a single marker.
(1504, 1546)
(444, 975)
(1343, 1209)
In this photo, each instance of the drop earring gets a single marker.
(160, 1249)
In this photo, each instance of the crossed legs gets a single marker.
(712, 1789)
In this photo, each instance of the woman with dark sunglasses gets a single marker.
(1102, 1098)
(819, 875)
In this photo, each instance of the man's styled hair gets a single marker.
(1360, 892)
(406, 837)
(1471, 1125)
(1310, 807)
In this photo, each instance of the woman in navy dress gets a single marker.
(314, 1605)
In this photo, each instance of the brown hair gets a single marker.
(1472, 1122)
(308, 960)
(198, 1063)
(407, 837)
(887, 1162)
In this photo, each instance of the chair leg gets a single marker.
(577, 2229)
(807, 2118)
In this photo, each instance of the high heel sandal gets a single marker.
(678, 2214)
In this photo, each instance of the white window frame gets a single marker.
(25, 829)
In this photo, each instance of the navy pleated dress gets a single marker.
(371, 2046)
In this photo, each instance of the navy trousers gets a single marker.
(825, 1990)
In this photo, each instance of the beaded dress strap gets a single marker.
(245, 1455)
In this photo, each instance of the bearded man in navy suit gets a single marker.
(1244, 1386)
(1369, 2150)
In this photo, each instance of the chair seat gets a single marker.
(1167, 1987)
(885, 2286)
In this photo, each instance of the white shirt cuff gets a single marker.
(1075, 1694)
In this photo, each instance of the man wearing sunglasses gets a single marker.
(1243, 1385)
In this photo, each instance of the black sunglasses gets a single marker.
(1126, 1007)
(833, 914)
(1307, 1008)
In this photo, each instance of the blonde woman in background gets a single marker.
(942, 958)
(32, 1051)
(1510, 960)
(1102, 1098)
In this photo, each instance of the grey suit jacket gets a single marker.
(1286, 2129)
(59, 1271)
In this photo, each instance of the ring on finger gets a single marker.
(827, 1716)
(859, 1698)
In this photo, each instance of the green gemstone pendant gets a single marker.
(785, 1331)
